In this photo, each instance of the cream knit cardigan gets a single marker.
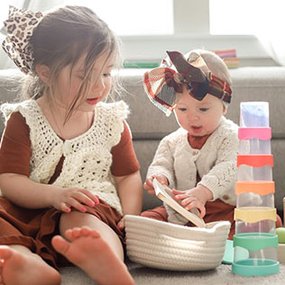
(215, 163)
(87, 158)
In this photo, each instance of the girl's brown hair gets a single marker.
(61, 38)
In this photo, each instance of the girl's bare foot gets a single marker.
(92, 254)
(25, 268)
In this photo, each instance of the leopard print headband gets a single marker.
(20, 26)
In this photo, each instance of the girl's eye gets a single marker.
(107, 74)
(204, 109)
(182, 109)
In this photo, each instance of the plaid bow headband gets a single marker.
(20, 26)
(162, 83)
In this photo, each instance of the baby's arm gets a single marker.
(161, 167)
(221, 178)
(129, 189)
(26, 193)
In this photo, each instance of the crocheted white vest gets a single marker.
(87, 158)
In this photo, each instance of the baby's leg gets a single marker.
(89, 251)
(18, 265)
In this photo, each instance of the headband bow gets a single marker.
(161, 84)
(20, 26)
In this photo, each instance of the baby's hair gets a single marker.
(62, 38)
(214, 63)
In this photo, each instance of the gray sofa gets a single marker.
(149, 125)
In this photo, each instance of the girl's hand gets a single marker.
(148, 185)
(67, 198)
(194, 198)
(121, 224)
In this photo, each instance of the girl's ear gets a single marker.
(43, 73)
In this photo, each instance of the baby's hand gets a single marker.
(67, 198)
(148, 185)
(193, 198)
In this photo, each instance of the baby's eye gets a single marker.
(203, 109)
(182, 109)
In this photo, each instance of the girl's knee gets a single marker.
(76, 215)
(76, 219)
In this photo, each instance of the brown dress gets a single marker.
(34, 228)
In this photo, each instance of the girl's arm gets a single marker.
(26, 193)
(129, 189)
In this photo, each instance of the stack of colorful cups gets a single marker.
(255, 241)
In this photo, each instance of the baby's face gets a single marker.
(199, 118)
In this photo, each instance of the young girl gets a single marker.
(199, 158)
(68, 171)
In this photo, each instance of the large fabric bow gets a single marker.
(162, 83)
(20, 26)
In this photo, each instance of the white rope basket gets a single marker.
(169, 246)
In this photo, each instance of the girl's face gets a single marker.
(99, 85)
(199, 118)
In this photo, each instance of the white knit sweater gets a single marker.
(87, 158)
(215, 163)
